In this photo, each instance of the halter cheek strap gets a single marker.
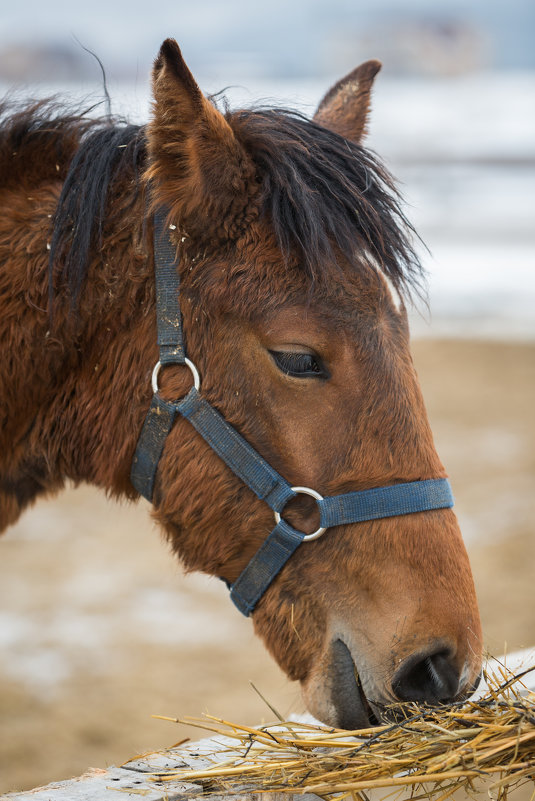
(243, 459)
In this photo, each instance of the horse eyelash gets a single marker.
(299, 365)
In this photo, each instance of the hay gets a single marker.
(432, 753)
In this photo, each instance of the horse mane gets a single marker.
(38, 140)
(87, 154)
(321, 192)
(106, 154)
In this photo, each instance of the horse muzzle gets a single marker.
(341, 696)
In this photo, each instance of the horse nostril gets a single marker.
(427, 679)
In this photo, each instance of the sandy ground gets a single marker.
(99, 629)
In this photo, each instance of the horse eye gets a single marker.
(299, 365)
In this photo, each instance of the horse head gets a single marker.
(295, 262)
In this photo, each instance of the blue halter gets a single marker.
(243, 459)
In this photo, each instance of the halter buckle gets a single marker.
(318, 497)
(195, 373)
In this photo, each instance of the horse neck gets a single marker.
(73, 392)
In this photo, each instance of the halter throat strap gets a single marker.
(242, 458)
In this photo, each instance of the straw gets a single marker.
(431, 753)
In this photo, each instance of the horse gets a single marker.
(295, 264)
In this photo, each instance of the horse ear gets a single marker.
(344, 109)
(197, 166)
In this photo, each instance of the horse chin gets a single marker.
(339, 700)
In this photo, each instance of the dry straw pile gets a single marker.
(488, 743)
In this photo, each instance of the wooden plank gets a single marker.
(134, 780)
(113, 784)
(125, 784)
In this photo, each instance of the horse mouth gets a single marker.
(352, 709)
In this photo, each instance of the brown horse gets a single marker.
(295, 260)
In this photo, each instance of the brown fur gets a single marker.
(74, 393)
(345, 107)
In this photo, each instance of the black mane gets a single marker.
(319, 190)
(88, 154)
(108, 152)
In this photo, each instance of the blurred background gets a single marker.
(99, 629)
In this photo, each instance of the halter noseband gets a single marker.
(243, 459)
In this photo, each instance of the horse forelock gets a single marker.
(326, 196)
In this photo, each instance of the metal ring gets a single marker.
(158, 366)
(318, 497)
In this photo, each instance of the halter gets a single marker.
(242, 458)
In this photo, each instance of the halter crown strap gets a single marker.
(244, 460)
(161, 415)
(169, 319)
